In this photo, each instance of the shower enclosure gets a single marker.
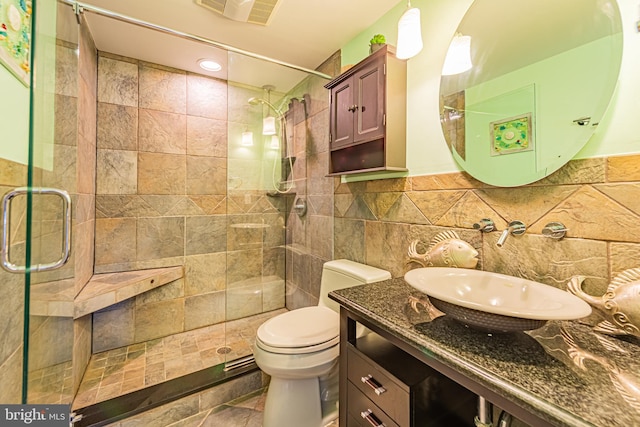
(167, 169)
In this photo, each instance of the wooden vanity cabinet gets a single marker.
(368, 116)
(387, 386)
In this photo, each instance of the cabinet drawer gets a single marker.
(359, 405)
(390, 396)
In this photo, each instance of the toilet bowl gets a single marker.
(299, 350)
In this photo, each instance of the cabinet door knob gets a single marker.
(353, 108)
(377, 388)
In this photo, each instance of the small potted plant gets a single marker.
(376, 42)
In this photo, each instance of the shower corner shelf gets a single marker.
(106, 289)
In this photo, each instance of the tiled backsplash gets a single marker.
(598, 200)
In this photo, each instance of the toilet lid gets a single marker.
(303, 327)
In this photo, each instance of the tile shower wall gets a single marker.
(58, 343)
(162, 200)
(310, 237)
(597, 199)
(84, 226)
(12, 175)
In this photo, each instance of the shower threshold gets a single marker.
(134, 403)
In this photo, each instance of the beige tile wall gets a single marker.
(73, 170)
(84, 227)
(12, 175)
(597, 199)
(162, 200)
(310, 238)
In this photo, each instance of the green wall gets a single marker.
(427, 152)
(568, 86)
(14, 118)
(14, 110)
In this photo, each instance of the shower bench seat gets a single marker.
(55, 298)
(108, 289)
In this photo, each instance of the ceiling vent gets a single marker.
(252, 11)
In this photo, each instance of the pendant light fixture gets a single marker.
(409, 33)
(458, 59)
(269, 122)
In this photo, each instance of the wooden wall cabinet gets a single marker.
(368, 116)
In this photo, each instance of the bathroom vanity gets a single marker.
(534, 376)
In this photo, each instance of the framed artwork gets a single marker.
(512, 135)
(15, 37)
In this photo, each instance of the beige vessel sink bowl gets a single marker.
(495, 302)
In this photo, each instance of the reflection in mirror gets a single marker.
(542, 75)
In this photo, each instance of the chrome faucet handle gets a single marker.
(485, 225)
(554, 230)
(515, 227)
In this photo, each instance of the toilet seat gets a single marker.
(304, 330)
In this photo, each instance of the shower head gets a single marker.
(256, 101)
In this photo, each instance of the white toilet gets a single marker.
(299, 350)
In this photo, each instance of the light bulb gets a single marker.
(209, 65)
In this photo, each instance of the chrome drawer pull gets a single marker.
(377, 388)
(368, 415)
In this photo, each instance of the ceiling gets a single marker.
(300, 32)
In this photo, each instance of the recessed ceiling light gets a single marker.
(209, 65)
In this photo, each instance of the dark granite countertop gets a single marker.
(563, 372)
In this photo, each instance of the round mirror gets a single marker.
(525, 84)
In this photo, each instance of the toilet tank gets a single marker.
(342, 273)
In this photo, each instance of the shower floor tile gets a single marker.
(119, 371)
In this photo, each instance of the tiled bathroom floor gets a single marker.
(245, 411)
(123, 370)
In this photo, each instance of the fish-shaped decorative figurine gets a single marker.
(620, 305)
(445, 250)
(625, 383)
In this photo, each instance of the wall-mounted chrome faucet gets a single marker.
(485, 225)
(515, 227)
(554, 230)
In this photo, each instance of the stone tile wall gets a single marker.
(310, 238)
(85, 223)
(597, 199)
(162, 200)
(13, 175)
(74, 148)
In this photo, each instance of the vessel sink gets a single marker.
(495, 302)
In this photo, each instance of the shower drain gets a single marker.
(223, 350)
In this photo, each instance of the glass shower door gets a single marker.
(35, 179)
(49, 323)
(266, 189)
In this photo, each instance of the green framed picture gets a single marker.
(512, 135)
(15, 37)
